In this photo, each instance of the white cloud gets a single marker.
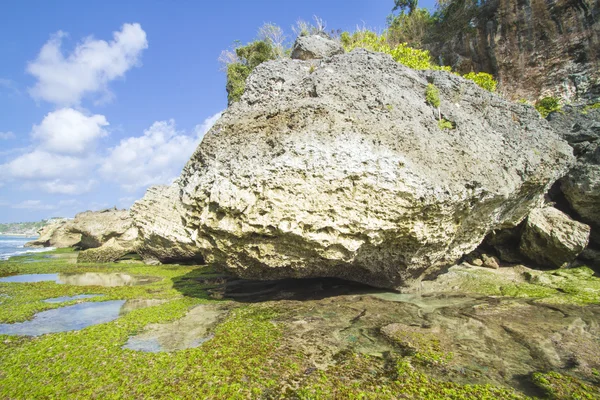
(156, 157)
(61, 186)
(68, 131)
(9, 86)
(88, 68)
(33, 205)
(41, 165)
(204, 127)
(6, 135)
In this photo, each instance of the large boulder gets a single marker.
(580, 126)
(552, 239)
(344, 171)
(162, 235)
(314, 47)
(90, 229)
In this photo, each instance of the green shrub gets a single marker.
(445, 124)
(483, 79)
(402, 53)
(246, 59)
(547, 105)
(410, 28)
(432, 95)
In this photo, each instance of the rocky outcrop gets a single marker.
(315, 47)
(580, 126)
(534, 48)
(343, 171)
(162, 235)
(110, 251)
(56, 235)
(550, 238)
(90, 229)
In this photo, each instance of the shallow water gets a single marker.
(75, 317)
(427, 303)
(188, 332)
(14, 246)
(85, 279)
(70, 298)
(30, 278)
(68, 318)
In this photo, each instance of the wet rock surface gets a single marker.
(188, 332)
(466, 340)
(344, 172)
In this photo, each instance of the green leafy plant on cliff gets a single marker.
(241, 61)
(484, 80)
(402, 53)
(411, 28)
(432, 97)
(547, 105)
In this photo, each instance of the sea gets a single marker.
(14, 246)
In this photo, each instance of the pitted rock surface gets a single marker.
(343, 171)
(552, 239)
(315, 47)
(162, 235)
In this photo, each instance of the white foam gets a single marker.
(20, 253)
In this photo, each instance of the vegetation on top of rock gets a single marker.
(547, 105)
(483, 79)
(402, 53)
(248, 58)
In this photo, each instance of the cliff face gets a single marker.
(534, 47)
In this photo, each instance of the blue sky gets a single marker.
(100, 99)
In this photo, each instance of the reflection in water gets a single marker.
(70, 298)
(30, 278)
(76, 317)
(102, 279)
(187, 332)
(85, 279)
(64, 319)
(427, 303)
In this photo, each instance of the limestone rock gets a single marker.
(580, 126)
(551, 238)
(490, 261)
(344, 172)
(162, 235)
(315, 47)
(549, 49)
(581, 187)
(55, 235)
(109, 252)
(90, 229)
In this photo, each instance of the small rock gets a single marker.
(477, 262)
(315, 47)
(490, 261)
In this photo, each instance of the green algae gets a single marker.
(359, 376)
(562, 286)
(247, 356)
(564, 387)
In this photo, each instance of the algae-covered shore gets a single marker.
(470, 334)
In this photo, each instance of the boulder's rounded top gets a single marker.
(315, 47)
